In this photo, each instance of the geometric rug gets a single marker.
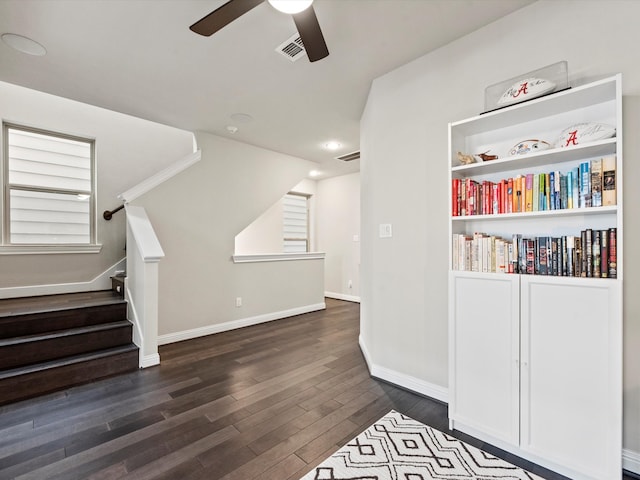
(397, 447)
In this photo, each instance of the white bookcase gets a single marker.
(535, 361)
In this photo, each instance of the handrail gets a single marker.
(108, 214)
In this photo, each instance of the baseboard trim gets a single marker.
(403, 380)
(101, 282)
(342, 296)
(631, 461)
(234, 324)
(150, 360)
(365, 352)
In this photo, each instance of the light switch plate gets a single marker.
(385, 230)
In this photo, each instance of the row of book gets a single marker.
(593, 253)
(592, 184)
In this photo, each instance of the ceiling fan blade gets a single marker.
(311, 35)
(223, 16)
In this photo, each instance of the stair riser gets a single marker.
(36, 323)
(23, 354)
(38, 383)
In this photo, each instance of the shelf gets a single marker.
(552, 279)
(543, 107)
(567, 212)
(555, 155)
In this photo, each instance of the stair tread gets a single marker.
(54, 303)
(14, 372)
(63, 333)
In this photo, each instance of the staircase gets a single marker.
(54, 342)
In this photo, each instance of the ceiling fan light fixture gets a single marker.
(291, 6)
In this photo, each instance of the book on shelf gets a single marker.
(575, 191)
(570, 255)
(613, 259)
(589, 254)
(528, 193)
(604, 254)
(585, 185)
(609, 180)
(591, 184)
(595, 254)
(535, 193)
(564, 192)
(596, 182)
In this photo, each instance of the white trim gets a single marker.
(150, 360)
(234, 324)
(277, 257)
(160, 177)
(49, 249)
(365, 352)
(342, 296)
(631, 461)
(403, 380)
(143, 234)
(101, 282)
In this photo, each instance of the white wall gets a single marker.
(404, 163)
(128, 150)
(338, 222)
(196, 216)
(264, 234)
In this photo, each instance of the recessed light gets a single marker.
(241, 118)
(332, 145)
(23, 44)
(314, 173)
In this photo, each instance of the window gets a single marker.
(48, 188)
(295, 223)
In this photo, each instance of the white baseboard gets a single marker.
(403, 380)
(149, 360)
(342, 296)
(101, 282)
(631, 461)
(234, 324)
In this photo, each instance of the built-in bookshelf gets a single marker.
(535, 287)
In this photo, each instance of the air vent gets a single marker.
(292, 48)
(349, 156)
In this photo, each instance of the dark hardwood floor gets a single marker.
(264, 402)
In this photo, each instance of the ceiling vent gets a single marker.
(292, 48)
(349, 156)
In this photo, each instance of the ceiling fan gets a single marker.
(305, 20)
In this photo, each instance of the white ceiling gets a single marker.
(139, 57)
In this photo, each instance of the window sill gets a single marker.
(48, 249)
(277, 257)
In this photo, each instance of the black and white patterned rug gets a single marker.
(397, 447)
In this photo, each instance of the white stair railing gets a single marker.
(141, 287)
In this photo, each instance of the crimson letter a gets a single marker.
(573, 138)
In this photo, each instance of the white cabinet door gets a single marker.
(571, 373)
(484, 353)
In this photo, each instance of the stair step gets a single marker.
(38, 315)
(42, 347)
(53, 342)
(28, 381)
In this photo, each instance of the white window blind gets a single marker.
(295, 223)
(49, 181)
